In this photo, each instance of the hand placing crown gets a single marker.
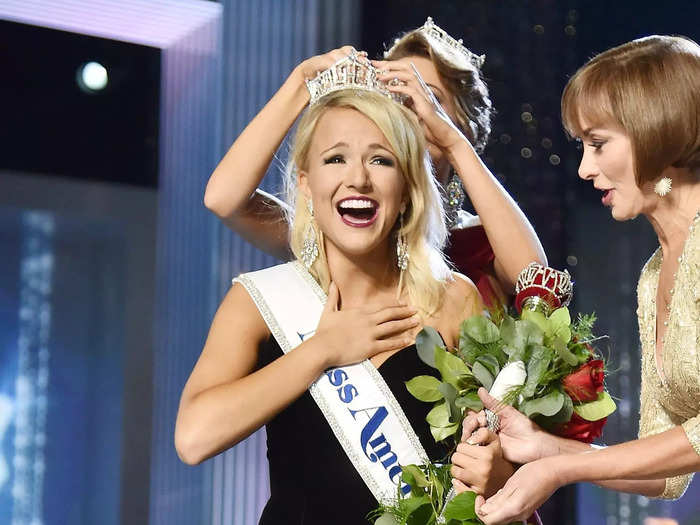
(351, 72)
(542, 288)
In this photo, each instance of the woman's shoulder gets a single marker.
(462, 300)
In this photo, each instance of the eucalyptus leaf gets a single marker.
(424, 388)
(491, 363)
(387, 519)
(461, 507)
(439, 415)
(470, 401)
(450, 366)
(469, 349)
(547, 405)
(450, 394)
(595, 410)
(480, 329)
(564, 414)
(536, 367)
(507, 331)
(564, 353)
(426, 341)
(483, 375)
(441, 433)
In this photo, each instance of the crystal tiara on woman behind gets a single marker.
(435, 33)
(351, 72)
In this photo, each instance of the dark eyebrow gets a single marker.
(587, 132)
(337, 144)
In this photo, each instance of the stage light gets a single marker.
(92, 77)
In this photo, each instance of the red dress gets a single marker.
(469, 250)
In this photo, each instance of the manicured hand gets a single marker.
(355, 334)
(521, 439)
(401, 76)
(478, 464)
(522, 494)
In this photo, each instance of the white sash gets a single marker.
(359, 406)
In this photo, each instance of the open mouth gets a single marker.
(358, 212)
(607, 197)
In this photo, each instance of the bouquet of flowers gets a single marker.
(541, 363)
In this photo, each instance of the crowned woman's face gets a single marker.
(354, 181)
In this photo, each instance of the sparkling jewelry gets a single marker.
(401, 247)
(663, 186)
(351, 72)
(454, 200)
(436, 34)
(542, 288)
(309, 249)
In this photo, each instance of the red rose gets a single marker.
(586, 382)
(580, 429)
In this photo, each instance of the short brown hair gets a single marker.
(650, 87)
(461, 77)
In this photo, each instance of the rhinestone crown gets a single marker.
(350, 72)
(434, 32)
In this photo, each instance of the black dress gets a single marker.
(312, 481)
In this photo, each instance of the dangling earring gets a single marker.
(663, 187)
(455, 199)
(401, 247)
(309, 250)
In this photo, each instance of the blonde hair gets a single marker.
(463, 79)
(423, 220)
(650, 87)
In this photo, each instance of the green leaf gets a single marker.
(469, 349)
(421, 515)
(564, 414)
(598, 409)
(470, 401)
(538, 318)
(560, 317)
(413, 508)
(564, 353)
(450, 394)
(483, 375)
(424, 388)
(480, 329)
(439, 416)
(450, 366)
(547, 405)
(387, 519)
(461, 507)
(536, 367)
(507, 331)
(413, 475)
(491, 363)
(426, 341)
(441, 433)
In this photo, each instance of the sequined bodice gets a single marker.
(671, 395)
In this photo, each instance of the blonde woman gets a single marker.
(367, 232)
(491, 249)
(636, 110)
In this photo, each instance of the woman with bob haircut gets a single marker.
(367, 232)
(491, 248)
(636, 110)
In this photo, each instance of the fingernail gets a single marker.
(470, 441)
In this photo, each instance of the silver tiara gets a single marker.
(434, 32)
(350, 72)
